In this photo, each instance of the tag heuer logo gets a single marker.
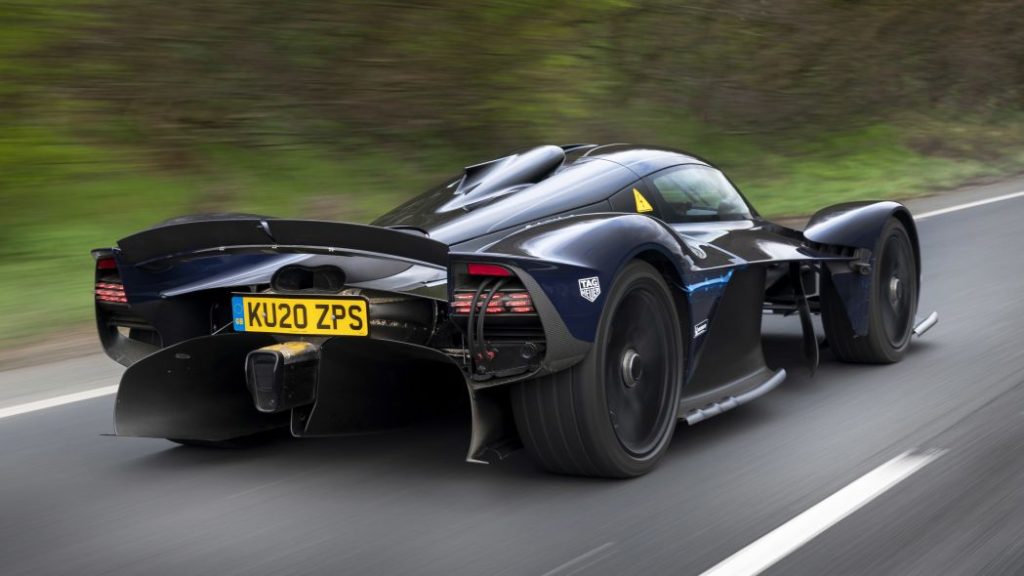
(590, 288)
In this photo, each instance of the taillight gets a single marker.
(491, 306)
(112, 292)
(519, 302)
(106, 263)
(108, 288)
(503, 302)
(492, 270)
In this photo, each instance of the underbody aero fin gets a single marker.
(926, 324)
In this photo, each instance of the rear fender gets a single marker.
(569, 265)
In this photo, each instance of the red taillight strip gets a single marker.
(502, 302)
(111, 292)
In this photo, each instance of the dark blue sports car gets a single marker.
(584, 298)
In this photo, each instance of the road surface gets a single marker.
(794, 483)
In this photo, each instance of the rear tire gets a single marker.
(892, 307)
(613, 414)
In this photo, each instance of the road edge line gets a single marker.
(28, 407)
(967, 205)
(779, 543)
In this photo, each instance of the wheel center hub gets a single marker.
(895, 291)
(632, 368)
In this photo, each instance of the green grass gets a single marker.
(61, 196)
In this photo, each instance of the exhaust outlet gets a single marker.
(282, 376)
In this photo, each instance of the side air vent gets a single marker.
(505, 176)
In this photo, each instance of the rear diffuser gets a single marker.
(193, 390)
(366, 384)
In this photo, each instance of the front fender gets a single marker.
(859, 225)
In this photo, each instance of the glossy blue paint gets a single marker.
(556, 254)
(576, 185)
(855, 224)
(703, 296)
(709, 282)
(143, 285)
(560, 252)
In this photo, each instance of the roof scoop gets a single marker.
(505, 175)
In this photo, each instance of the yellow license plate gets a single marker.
(298, 315)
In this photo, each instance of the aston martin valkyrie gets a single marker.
(582, 299)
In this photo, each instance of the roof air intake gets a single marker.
(505, 175)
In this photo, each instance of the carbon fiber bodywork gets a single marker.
(561, 235)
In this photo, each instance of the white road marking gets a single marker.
(582, 561)
(56, 401)
(967, 205)
(780, 542)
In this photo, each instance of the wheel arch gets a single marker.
(859, 225)
(674, 279)
(559, 252)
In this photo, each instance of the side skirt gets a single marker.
(730, 366)
(697, 409)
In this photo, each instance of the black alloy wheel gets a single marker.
(897, 288)
(637, 365)
(613, 414)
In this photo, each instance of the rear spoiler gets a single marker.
(207, 237)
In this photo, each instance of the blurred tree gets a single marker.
(177, 75)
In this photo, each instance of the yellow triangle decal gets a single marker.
(642, 205)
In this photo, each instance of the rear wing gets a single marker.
(261, 235)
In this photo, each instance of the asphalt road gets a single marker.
(73, 501)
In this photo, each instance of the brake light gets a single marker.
(503, 302)
(519, 302)
(106, 263)
(112, 292)
(492, 270)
